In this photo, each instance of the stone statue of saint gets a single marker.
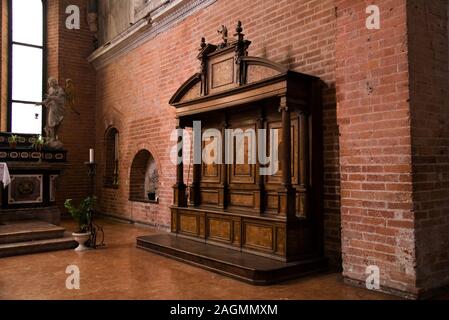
(55, 104)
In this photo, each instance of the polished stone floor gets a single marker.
(121, 271)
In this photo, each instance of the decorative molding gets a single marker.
(142, 8)
(145, 30)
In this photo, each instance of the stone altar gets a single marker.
(31, 193)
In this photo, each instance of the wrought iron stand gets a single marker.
(94, 228)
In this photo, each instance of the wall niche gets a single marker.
(144, 178)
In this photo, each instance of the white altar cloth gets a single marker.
(4, 174)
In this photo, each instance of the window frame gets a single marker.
(44, 49)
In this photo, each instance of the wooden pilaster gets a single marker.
(180, 188)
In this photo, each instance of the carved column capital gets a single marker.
(283, 105)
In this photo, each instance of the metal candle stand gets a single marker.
(94, 228)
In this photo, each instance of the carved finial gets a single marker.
(240, 36)
(239, 28)
(203, 43)
(224, 35)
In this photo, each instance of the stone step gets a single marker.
(38, 246)
(238, 265)
(24, 231)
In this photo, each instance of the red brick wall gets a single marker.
(53, 25)
(375, 144)
(67, 59)
(429, 104)
(133, 92)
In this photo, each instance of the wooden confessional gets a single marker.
(228, 217)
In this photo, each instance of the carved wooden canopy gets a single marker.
(228, 77)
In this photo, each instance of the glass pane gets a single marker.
(27, 18)
(26, 118)
(26, 74)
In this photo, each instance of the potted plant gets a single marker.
(12, 140)
(152, 192)
(38, 143)
(82, 215)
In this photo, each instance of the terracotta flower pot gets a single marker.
(81, 238)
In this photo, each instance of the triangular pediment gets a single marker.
(224, 67)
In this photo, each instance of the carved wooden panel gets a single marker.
(202, 226)
(174, 221)
(276, 178)
(211, 173)
(242, 199)
(243, 169)
(220, 229)
(188, 224)
(255, 235)
(272, 202)
(210, 166)
(209, 197)
(222, 72)
(258, 236)
(280, 241)
(238, 233)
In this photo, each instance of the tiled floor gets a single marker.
(121, 271)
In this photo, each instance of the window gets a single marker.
(112, 156)
(26, 65)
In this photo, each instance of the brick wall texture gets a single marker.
(375, 144)
(385, 125)
(67, 59)
(392, 110)
(429, 105)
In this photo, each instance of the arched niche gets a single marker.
(144, 178)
